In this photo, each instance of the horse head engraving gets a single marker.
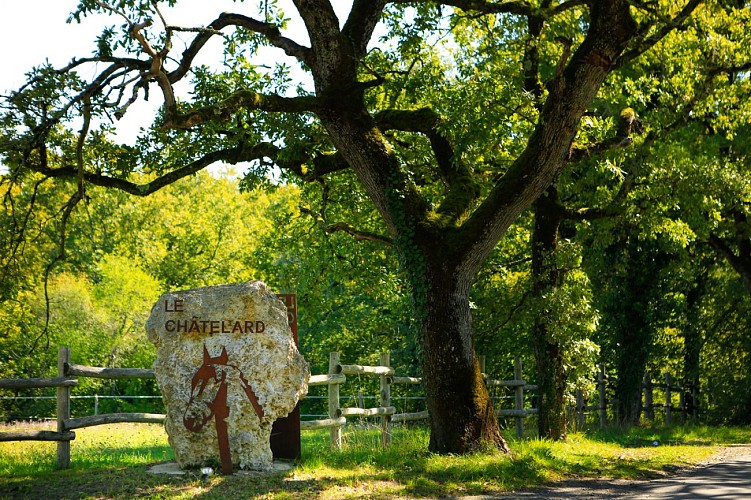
(208, 398)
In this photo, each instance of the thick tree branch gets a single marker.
(519, 7)
(426, 122)
(463, 188)
(335, 58)
(156, 69)
(307, 168)
(268, 30)
(243, 99)
(322, 164)
(610, 30)
(232, 156)
(361, 22)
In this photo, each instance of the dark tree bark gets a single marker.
(693, 338)
(546, 276)
(634, 291)
(461, 411)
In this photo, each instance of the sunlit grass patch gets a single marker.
(116, 445)
(112, 461)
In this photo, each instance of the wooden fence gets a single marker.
(385, 411)
(668, 386)
(337, 415)
(65, 425)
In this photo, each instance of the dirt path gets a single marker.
(726, 476)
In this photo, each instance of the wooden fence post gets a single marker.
(335, 432)
(682, 402)
(648, 397)
(63, 408)
(385, 400)
(694, 402)
(580, 410)
(668, 399)
(603, 395)
(519, 397)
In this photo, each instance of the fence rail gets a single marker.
(63, 383)
(337, 415)
(109, 373)
(386, 412)
(669, 388)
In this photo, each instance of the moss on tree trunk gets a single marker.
(462, 418)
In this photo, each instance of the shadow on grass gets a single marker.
(342, 475)
(363, 469)
(137, 482)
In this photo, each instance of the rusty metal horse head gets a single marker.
(208, 397)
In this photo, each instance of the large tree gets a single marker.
(444, 202)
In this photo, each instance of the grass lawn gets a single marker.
(111, 462)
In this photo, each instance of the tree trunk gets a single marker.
(551, 382)
(631, 364)
(692, 338)
(462, 418)
(546, 276)
(634, 331)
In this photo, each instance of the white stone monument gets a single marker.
(227, 366)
